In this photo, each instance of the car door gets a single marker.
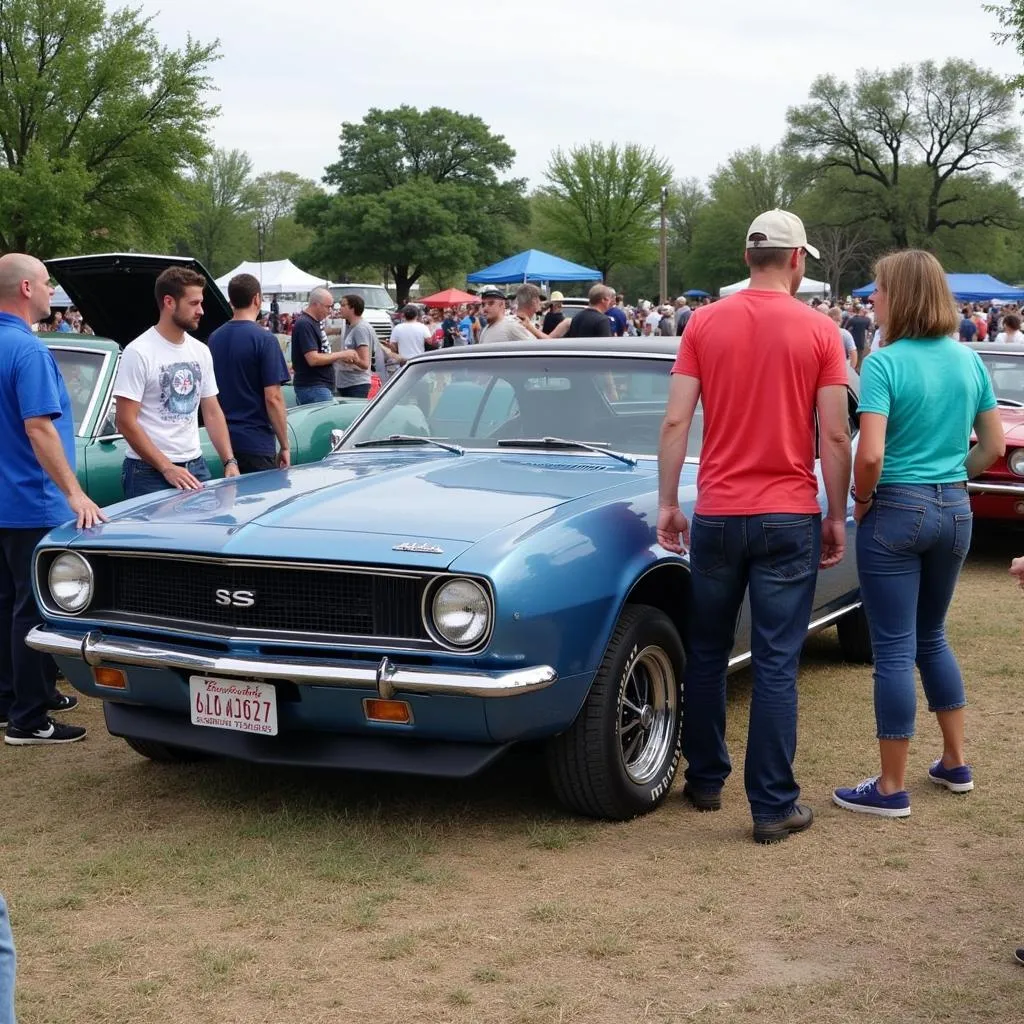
(836, 585)
(104, 454)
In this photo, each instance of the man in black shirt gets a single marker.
(593, 321)
(312, 358)
(859, 325)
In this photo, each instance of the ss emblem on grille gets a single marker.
(235, 598)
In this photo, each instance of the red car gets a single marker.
(999, 493)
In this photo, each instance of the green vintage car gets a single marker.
(114, 292)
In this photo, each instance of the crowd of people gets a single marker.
(757, 529)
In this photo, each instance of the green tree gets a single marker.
(750, 182)
(601, 203)
(221, 198)
(1011, 29)
(97, 123)
(416, 192)
(902, 144)
(274, 198)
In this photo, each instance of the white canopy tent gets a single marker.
(276, 277)
(809, 289)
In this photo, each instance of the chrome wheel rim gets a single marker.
(648, 708)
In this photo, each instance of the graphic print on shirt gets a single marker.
(180, 386)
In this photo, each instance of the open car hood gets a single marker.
(114, 292)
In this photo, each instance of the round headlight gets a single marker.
(71, 582)
(1016, 461)
(461, 612)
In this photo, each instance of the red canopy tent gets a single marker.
(449, 297)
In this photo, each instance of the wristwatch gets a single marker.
(230, 462)
(861, 501)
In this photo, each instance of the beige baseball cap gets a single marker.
(781, 230)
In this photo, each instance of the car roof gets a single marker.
(1013, 348)
(652, 345)
(68, 339)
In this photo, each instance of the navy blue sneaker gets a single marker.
(3, 719)
(956, 780)
(866, 799)
(1019, 955)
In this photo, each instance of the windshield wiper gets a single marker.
(410, 439)
(561, 442)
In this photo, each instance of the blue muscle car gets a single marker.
(475, 565)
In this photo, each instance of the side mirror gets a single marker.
(337, 436)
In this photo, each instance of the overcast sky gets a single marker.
(697, 79)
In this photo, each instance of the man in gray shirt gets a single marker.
(352, 374)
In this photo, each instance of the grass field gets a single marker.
(226, 893)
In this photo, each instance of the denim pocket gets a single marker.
(789, 545)
(897, 527)
(963, 525)
(707, 545)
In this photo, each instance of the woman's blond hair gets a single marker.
(919, 300)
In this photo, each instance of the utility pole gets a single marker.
(663, 278)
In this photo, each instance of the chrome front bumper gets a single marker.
(386, 678)
(982, 487)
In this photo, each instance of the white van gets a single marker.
(378, 305)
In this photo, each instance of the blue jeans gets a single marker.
(776, 557)
(6, 966)
(306, 394)
(139, 477)
(910, 547)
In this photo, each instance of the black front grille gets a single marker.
(284, 599)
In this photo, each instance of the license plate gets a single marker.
(233, 704)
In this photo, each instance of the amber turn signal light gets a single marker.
(396, 711)
(112, 678)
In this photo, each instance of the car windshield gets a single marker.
(373, 296)
(1007, 373)
(81, 373)
(476, 402)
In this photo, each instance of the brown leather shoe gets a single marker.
(776, 831)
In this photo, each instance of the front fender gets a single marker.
(559, 585)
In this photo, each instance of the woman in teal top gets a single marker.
(921, 395)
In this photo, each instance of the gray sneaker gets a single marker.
(776, 831)
(49, 732)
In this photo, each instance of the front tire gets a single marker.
(163, 753)
(618, 759)
(855, 637)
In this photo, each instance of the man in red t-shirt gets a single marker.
(762, 364)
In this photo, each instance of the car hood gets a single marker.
(114, 292)
(1013, 425)
(404, 508)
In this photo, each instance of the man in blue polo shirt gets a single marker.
(250, 369)
(37, 480)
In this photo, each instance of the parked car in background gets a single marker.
(114, 293)
(475, 566)
(998, 493)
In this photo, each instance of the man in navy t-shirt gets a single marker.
(968, 328)
(40, 491)
(618, 317)
(312, 358)
(250, 369)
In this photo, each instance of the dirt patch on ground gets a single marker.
(222, 892)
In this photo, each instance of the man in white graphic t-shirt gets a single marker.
(165, 377)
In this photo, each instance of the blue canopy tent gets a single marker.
(533, 265)
(967, 288)
(696, 293)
